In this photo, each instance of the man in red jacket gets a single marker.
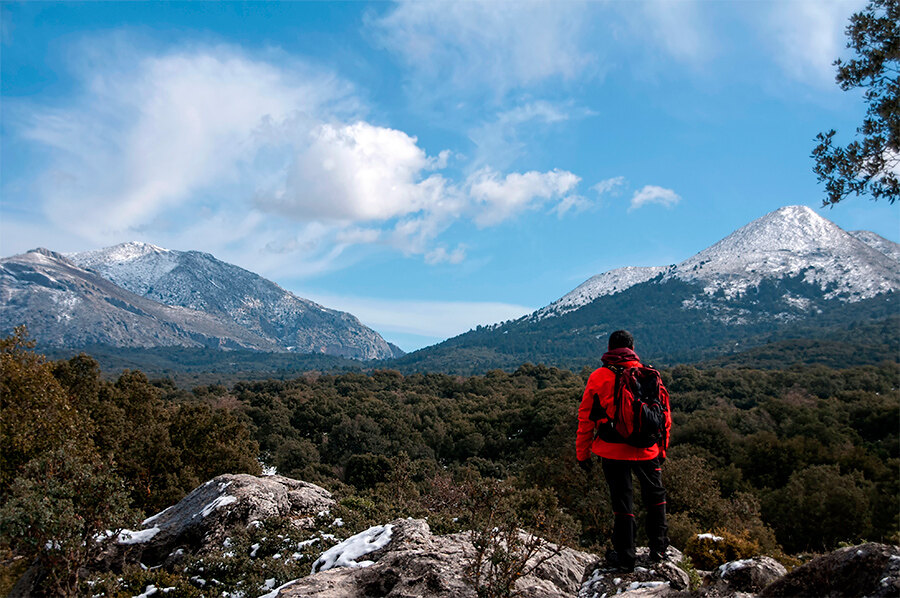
(621, 460)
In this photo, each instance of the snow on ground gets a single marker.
(727, 568)
(645, 584)
(153, 518)
(710, 537)
(274, 592)
(347, 552)
(127, 536)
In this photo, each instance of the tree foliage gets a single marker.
(868, 165)
(77, 453)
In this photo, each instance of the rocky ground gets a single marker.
(404, 559)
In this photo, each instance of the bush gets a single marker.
(57, 507)
(708, 551)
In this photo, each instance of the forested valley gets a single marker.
(783, 461)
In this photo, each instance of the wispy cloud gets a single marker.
(211, 147)
(494, 45)
(500, 141)
(650, 194)
(611, 185)
(808, 35)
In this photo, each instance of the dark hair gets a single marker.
(621, 339)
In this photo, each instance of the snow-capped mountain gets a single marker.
(607, 283)
(65, 305)
(888, 248)
(790, 242)
(788, 273)
(178, 289)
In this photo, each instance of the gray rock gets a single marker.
(749, 575)
(204, 517)
(664, 578)
(871, 570)
(418, 564)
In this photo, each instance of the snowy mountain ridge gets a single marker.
(137, 294)
(133, 266)
(793, 241)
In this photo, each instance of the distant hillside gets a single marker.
(140, 295)
(787, 271)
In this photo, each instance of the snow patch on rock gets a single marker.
(347, 552)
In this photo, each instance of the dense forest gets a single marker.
(784, 460)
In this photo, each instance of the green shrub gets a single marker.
(711, 550)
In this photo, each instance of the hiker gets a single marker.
(613, 439)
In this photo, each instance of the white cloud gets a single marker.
(498, 44)
(611, 185)
(440, 255)
(145, 136)
(499, 141)
(271, 166)
(571, 203)
(808, 35)
(678, 27)
(356, 172)
(499, 198)
(652, 194)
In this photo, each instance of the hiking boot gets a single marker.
(657, 557)
(617, 563)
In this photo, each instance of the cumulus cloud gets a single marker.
(498, 198)
(356, 172)
(650, 194)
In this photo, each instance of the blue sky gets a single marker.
(425, 166)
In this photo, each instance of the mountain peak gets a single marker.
(794, 229)
(789, 242)
(123, 252)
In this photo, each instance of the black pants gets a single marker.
(621, 490)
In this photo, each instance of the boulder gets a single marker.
(203, 517)
(748, 575)
(415, 563)
(866, 570)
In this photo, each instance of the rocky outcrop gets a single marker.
(403, 559)
(648, 579)
(204, 516)
(867, 570)
(416, 563)
(747, 575)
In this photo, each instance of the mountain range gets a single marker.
(785, 275)
(140, 295)
(789, 274)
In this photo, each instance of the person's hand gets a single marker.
(586, 465)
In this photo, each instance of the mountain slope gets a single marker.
(171, 298)
(788, 269)
(63, 304)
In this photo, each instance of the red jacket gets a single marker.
(601, 383)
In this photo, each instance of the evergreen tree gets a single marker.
(869, 165)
